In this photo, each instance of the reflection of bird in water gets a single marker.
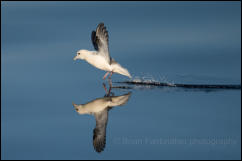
(101, 58)
(99, 108)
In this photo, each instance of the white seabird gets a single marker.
(101, 58)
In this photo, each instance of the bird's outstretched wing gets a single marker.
(99, 133)
(100, 41)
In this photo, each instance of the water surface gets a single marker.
(176, 42)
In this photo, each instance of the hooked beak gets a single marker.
(75, 105)
(75, 58)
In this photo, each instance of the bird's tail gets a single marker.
(126, 73)
(119, 69)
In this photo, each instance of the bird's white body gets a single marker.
(101, 58)
(97, 60)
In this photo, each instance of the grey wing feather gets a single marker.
(99, 133)
(94, 40)
(100, 41)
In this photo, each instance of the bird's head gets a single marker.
(79, 108)
(80, 54)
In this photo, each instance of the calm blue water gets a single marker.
(177, 42)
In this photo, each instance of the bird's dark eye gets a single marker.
(78, 53)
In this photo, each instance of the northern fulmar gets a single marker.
(101, 58)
